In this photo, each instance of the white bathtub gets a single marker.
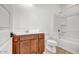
(69, 44)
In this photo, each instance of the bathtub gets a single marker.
(69, 44)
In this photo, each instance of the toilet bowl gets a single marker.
(50, 46)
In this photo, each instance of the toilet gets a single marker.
(50, 46)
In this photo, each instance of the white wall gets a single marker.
(53, 24)
(38, 17)
(69, 41)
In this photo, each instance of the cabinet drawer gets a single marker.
(28, 37)
(41, 36)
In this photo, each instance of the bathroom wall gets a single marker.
(53, 24)
(69, 41)
(36, 17)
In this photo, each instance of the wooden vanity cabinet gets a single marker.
(28, 44)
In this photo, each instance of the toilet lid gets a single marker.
(52, 42)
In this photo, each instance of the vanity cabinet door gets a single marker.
(34, 46)
(25, 47)
(41, 45)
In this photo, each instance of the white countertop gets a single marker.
(23, 33)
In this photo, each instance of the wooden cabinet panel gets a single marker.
(25, 47)
(34, 46)
(41, 45)
(15, 48)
